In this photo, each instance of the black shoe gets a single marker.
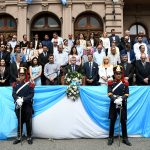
(110, 141)
(126, 141)
(16, 141)
(30, 141)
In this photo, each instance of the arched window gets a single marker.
(45, 24)
(136, 28)
(87, 23)
(8, 25)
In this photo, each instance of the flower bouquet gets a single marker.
(74, 79)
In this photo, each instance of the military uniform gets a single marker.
(26, 93)
(114, 92)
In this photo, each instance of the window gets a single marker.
(87, 23)
(7, 23)
(46, 22)
(136, 28)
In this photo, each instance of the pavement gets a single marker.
(76, 144)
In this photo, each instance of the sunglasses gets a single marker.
(118, 73)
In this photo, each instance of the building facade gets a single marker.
(86, 16)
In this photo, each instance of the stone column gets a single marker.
(114, 17)
(22, 20)
(67, 25)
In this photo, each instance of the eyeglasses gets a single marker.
(118, 73)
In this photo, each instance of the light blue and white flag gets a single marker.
(64, 2)
(29, 1)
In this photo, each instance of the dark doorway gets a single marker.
(42, 34)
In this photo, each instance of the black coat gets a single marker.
(86, 71)
(27, 93)
(122, 90)
(5, 77)
(142, 72)
(128, 72)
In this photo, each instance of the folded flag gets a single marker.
(29, 1)
(64, 2)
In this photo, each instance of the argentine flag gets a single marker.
(64, 2)
(29, 1)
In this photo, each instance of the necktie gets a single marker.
(73, 69)
(90, 65)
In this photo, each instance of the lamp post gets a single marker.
(113, 3)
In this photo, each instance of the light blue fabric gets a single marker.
(44, 98)
(94, 100)
(96, 103)
(64, 2)
(29, 1)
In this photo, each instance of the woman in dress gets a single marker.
(35, 71)
(105, 71)
(4, 73)
(75, 54)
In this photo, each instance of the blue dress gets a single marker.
(35, 72)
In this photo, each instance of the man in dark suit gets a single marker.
(142, 71)
(114, 37)
(43, 59)
(36, 41)
(14, 66)
(128, 69)
(129, 52)
(4, 54)
(72, 67)
(90, 70)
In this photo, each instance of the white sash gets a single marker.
(22, 87)
(116, 86)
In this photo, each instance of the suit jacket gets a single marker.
(142, 72)
(69, 68)
(22, 44)
(6, 57)
(38, 42)
(117, 39)
(128, 72)
(14, 71)
(86, 69)
(43, 59)
(132, 55)
(5, 77)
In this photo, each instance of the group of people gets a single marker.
(112, 65)
(47, 60)
(118, 91)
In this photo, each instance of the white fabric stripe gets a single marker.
(66, 119)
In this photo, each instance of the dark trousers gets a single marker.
(26, 117)
(123, 124)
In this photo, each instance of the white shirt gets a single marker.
(59, 39)
(98, 57)
(114, 59)
(106, 42)
(61, 58)
(106, 73)
(136, 48)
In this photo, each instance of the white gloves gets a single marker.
(118, 101)
(19, 101)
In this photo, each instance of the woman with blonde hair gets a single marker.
(105, 71)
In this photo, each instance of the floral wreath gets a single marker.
(74, 80)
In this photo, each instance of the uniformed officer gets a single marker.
(118, 91)
(23, 93)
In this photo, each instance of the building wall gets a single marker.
(139, 14)
(25, 13)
